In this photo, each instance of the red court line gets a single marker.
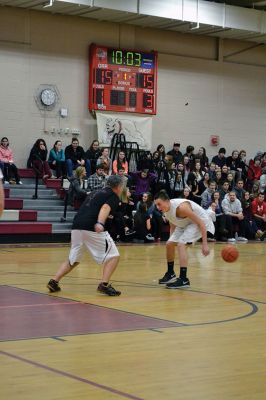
(41, 305)
(71, 376)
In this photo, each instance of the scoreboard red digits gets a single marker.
(122, 80)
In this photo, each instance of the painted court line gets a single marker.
(71, 376)
(40, 305)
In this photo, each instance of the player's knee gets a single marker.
(181, 245)
(170, 244)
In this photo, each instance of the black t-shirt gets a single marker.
(87, 215)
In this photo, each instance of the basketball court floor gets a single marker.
(203, 343)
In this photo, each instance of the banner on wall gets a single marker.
(135, 128)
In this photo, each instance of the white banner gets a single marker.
(134, 127)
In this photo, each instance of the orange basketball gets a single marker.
(229, 253)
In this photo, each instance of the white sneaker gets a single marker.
(242, 239)
(231, 240)
(150, 237)
(19, 183)
(6, 183)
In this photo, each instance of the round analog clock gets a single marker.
(48, 97)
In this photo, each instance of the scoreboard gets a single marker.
(122, 80)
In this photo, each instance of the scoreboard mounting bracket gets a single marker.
(122, 80)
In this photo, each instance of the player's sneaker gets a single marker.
(231, 240)
(178, 283)
(53, 286)
(242, 239)
(167, 278)
(109, 290)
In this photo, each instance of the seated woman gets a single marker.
(92, 154)
(142, 224)
(77, 191)
(9, 169)
(122, 221)
(106, 161)
(120, 162)
(38, 160)
(57, 160)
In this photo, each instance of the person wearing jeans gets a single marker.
(232, 208)
(75, 157)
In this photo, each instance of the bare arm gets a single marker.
(172, 228)
(102, 217)
(185, 211)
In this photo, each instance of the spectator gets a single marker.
(204, 183)
(232, 208)
(220, 222)
(122, 219)
(161, 151)
(252, 230)
(190, 154)
(57, 160)
(125, 179)
(254, 171)
(177, 185)
(146, 199)
(206, 196)
(239, 189)
(233, 163)
(263, 160)
(203, 159)
(224, 190)
(255, 190)
(176, 153)
(187, 194)
(77, 191)
(38, 160)
(230, 179)
(156, 159)
(9, 169)
(242, 165)
(186, 164)
(263, 181)
(75, 157)
(212, 171)
(146, 162)
(92, 154)
(142, 224)
(98, 180)
(162, 180)
(218, 178)
(143, 182)
(105, 161)
(120, 162)
(225, 171)
(259, 211)
(2, 197)
(220, 159)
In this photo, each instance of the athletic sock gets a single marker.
(170, 266)
(183, 272)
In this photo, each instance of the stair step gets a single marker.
(7, 228)
(13, 204)
(26, 173)
(43, 202)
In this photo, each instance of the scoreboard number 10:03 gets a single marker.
(122, 80)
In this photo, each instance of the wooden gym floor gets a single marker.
(202, 343)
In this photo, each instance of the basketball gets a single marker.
(229, 253)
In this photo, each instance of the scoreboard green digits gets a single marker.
(122, 80)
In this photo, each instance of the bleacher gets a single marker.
(29, 219)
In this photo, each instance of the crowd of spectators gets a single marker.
(234, 187)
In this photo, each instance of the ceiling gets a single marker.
(237, 19)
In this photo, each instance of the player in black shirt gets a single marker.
(89, 230)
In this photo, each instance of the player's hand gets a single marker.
(205, 249)
(98, 228)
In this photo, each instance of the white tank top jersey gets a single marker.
(183, 222)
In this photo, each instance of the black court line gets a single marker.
(71, 376)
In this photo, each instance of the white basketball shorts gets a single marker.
(100, 245)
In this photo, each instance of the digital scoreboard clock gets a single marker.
(122, 80)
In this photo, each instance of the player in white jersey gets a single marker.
(188, 223)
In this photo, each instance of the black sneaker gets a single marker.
(53, 286)
(168, 278)
(109, 290)
(178, 283)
